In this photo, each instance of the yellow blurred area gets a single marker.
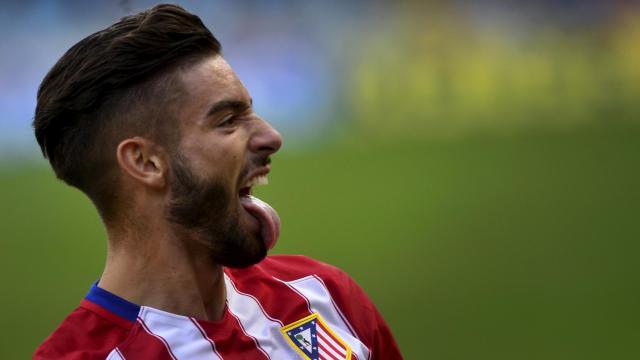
(437, 72)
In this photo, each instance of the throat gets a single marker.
(176, 284)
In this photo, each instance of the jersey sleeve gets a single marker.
(364, 317)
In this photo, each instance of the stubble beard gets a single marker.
(204, 208)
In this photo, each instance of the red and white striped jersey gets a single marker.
(285, 307)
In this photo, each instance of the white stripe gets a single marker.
(249, 336)
(326, 344)
(324, 355)
(183, 337)
(115, 355)
(257, 324)
(328, 339)
(204, 335)
(319, 298)
(344, 319)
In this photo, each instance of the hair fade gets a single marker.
(110, 69)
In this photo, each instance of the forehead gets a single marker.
(211, 70)
(207, 82)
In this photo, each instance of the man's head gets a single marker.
(114, 84)
(148, 106)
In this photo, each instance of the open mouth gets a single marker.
(254, 181)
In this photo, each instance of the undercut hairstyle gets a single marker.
(115, 84)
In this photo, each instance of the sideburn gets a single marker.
(190, 197)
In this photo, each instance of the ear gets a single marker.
(143, 160)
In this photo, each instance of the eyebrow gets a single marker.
(236, 105)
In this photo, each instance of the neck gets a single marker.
(165, 271)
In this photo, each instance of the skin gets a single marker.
(153, 261)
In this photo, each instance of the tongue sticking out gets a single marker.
(268, 217)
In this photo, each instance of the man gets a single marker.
(150, 122)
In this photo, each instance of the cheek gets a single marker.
(231, 155)
(225, 165)
(221, 157)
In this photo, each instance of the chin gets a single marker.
(238, 249)
(243, 261)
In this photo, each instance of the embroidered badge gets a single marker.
(314, 340)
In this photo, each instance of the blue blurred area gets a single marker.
(316, 68)
(286, 52)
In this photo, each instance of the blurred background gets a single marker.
(472, 164)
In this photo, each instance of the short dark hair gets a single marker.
(111, 85)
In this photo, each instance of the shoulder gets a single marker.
(322, 278)
(83, 334)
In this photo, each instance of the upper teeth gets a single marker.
(258, 180)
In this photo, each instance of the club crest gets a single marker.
(314, 340)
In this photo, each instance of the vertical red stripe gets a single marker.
(142, 345)
(230, 339)
(204, 335)
(344, 319)
(162, 340)
(262, 286)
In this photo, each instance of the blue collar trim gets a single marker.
(113, 303)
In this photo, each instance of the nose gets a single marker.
(266, 140)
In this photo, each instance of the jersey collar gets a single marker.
(113, 303)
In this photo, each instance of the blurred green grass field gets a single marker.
(485, 247)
